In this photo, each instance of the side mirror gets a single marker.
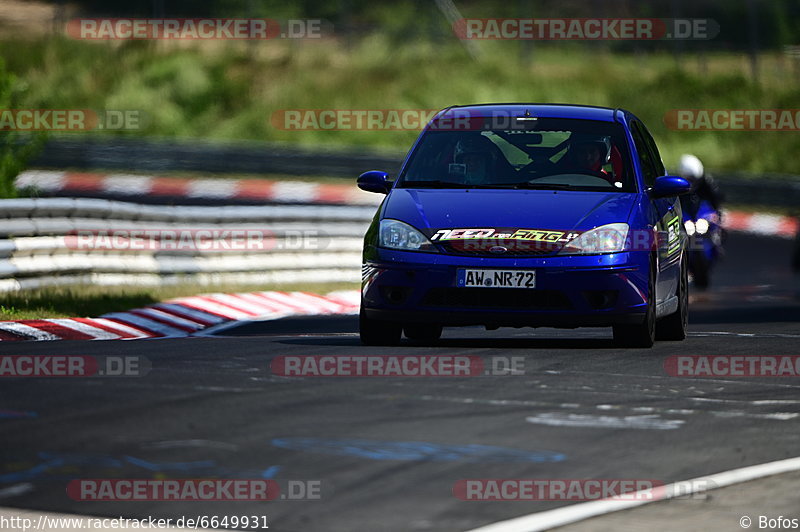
(375, 181)
(670, 185)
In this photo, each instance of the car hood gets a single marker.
(529, 209)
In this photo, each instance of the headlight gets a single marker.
(394, 234)
(690, 228)
(609, 238)
(702, 226)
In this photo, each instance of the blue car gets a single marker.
(517, 215)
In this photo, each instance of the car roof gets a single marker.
(548, 110)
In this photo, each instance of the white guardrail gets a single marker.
(62, 241)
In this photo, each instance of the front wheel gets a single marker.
(424, 332)
(643, 334)
(673, 327)
(374, 332)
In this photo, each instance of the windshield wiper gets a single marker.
(452, 184)
(547, 186)
(432, 184)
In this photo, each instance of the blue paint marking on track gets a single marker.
(270, 472)
(416, 450)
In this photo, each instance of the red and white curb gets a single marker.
(77, 184)
(185, 316)
(761, 223)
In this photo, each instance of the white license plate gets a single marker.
(468, 278)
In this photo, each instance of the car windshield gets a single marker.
(537, 153)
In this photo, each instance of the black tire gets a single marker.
(374, 332)
(700, 270)
(643, 334)
(673, 327)
(423, 332)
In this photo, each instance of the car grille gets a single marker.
(482, 248)
(510, 298)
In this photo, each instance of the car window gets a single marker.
(657, 162)
(649, 172)
(548, 153)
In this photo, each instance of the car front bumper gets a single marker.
(570, 291)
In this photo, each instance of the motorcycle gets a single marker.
(703, 225)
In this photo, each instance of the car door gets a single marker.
(665, 213)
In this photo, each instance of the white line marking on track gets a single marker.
(496, 402)
(667, 378)
(17, 489)
(579, 512)
(743, 335)
(774, 416)
(643, 422)
(779, 416)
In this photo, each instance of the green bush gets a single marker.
(15, 148)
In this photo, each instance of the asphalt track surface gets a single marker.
(210, 407)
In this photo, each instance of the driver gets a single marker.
(477, 156)
(587, 157)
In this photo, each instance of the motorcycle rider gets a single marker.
(703, 185)
(704, 189)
